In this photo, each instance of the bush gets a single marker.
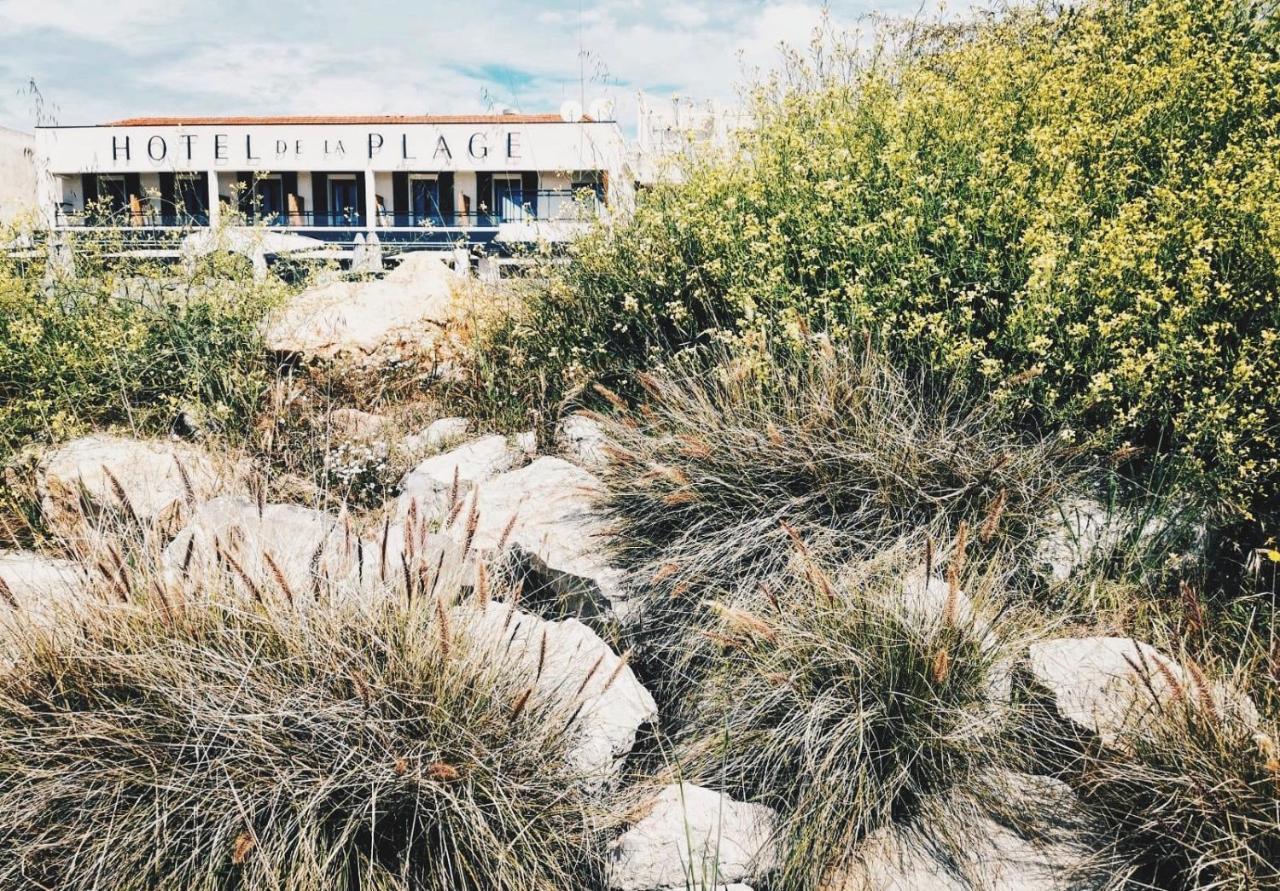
(845, 702)
(221, 747)
(728, 459)
(1191, 799)
(129, 343)
(1080, 206)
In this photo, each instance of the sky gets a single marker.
(99, 60)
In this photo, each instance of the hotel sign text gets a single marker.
(157, 147)
(333, 147)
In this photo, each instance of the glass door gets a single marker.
(424, 193)
(508, 198)
(268, 200)
(192, 194)
(344, 203)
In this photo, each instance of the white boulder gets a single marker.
(546, 513)
(439, 434)
(693, 837)
(1116, 686)
(354, 424)
(35, 590)
(369, 322)
(430, 483)
(281, 552)
(582, 440)
(1083, 531)
(566, 661)
(150, 480)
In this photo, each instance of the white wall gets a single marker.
(17, 174)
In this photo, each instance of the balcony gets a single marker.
(559, 209)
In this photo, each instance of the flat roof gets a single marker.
(294, 120)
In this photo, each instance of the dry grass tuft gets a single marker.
(245, 747)
(846, 709)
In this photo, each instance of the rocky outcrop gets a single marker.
(439, 434)
(568, 662)
(430, 484)
(546, 513)
(694, 837)
(581, 439)
(369, 322)
(281, 552)
(149, 481)
(352, 424)
(1115, 686)
(35, 590)
(1083, 531)
(1026, 833)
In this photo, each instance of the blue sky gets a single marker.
(97, 60)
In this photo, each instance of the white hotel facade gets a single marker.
(420, 181)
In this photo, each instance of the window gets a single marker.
(191, 194)
(113, 194)
(424, 198)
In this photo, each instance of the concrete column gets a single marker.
(215, 208)
(48, 195)
(370, 200)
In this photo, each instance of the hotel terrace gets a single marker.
(420, 181)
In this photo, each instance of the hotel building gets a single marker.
(420, 181)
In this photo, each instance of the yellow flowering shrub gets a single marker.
(1079, 208)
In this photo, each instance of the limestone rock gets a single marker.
(34, 591)
(578, 668)
(1114, 686)
(369, 322)
(354, 424)
(152, 480)
(694, 837)
(546, 513)
(582, 440)
(1028, 833)
(1082, 531)
(310, 549)
(527, 442)
(429, 484)
(439, 434)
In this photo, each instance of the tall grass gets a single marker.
(128, 343)
(1187, 798)
(225, 745)
(846, 700)
(728, 460)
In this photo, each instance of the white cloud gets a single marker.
(181, 57)
(128, 24)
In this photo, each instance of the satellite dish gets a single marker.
(570, 112)
(602, 110)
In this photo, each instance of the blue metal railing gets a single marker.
(546, 205)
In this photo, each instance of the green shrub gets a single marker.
(128, 343)
(845, 701)
(211, 746)
(1079, 206)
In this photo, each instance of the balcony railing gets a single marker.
(547, 205)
